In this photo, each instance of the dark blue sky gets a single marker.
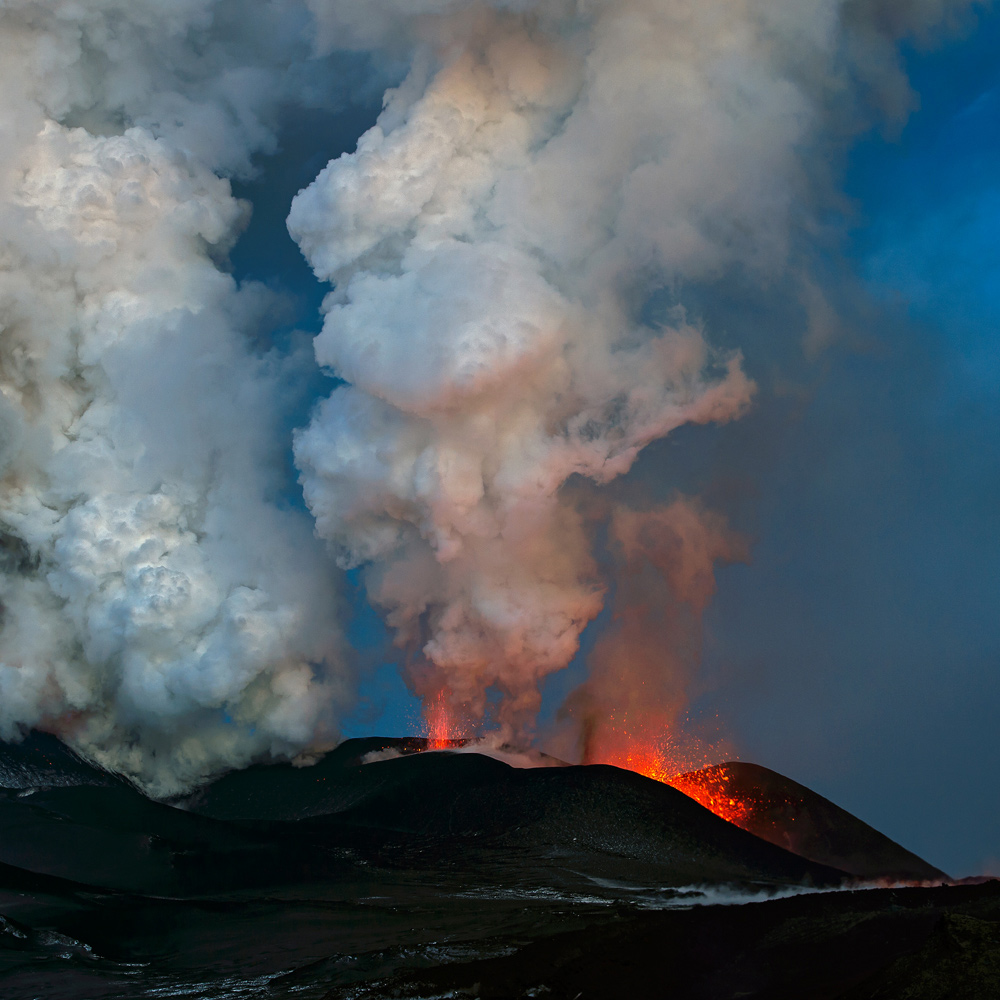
(858, 652)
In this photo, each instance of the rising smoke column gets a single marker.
(543, 168)
(492, 244)
(482, 320)
(162, 610)
(644, 664)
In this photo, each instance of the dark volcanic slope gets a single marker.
(441, 874)
(41, 761)
(443, 796)
(117, 839)
(795, 817)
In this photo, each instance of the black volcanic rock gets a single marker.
(449, 797)
(792, 816)
(42, 761)
(116, 838)
(887, 944)
(292, 791)
(386, 871)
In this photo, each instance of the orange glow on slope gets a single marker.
(440, 722)
(710, 790)
(684, 766)
(713, 792)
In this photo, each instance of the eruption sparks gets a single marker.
(683, 763)
(713, 791)
(440, 722)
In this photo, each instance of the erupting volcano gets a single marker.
(524, 877)
(753, 798)
(545, 361)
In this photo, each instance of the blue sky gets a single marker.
(858, 651)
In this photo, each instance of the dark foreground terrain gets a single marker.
(419, 875)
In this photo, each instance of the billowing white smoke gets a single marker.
(160, 608)
(545, 166)
(492, 242)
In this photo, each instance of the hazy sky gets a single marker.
(860, 649)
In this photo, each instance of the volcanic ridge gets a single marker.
(388, 869)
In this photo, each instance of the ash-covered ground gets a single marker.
(384, 871)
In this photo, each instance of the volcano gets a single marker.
(785, 813)
(387, 869)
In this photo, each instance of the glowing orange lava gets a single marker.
(710, 790)
(440, 722)
(713, 792)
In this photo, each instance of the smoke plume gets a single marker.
(160, 607)
(546, 170)
(494, 244)
(644, 664)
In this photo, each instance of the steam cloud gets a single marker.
(493, 244)
(160, 608)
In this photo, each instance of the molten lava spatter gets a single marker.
(440, 722)
(713, 791)
(684, 766)
(708, 787)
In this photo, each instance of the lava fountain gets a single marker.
(440, 722)
(683, 763)
(708, 787)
